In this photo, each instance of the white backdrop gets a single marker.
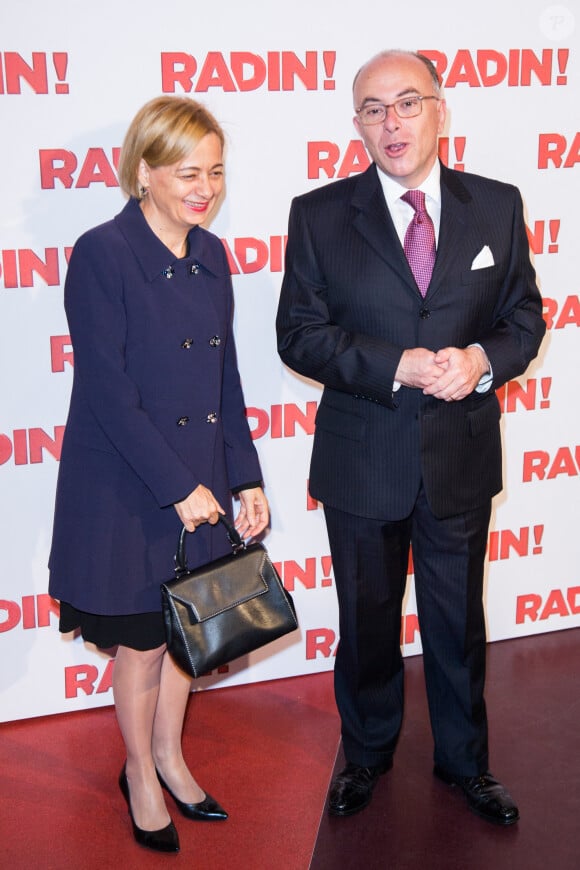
(278, 77)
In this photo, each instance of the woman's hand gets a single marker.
(254, 513)
(199, 507)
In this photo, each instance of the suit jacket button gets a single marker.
(215, 341)
(183, 421)
(424, 313)
(211, 417)
(186, 343)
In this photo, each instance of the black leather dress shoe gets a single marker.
(352, 789)
(485, 796)
(207, 810)
(163, 840)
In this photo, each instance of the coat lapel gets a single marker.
(373, 221)
(452, 228)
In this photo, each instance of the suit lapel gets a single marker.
(373, 221)
(452, 228)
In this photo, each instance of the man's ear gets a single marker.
(442, 110)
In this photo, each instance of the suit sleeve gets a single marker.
(98, 325)
(311, 343)
(518, 327)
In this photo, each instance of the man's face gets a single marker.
(404, 148)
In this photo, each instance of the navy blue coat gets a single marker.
(156, 408)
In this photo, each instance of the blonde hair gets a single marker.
(163, 132)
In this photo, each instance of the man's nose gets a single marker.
(392, 120)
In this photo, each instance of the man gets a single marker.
(410, 315)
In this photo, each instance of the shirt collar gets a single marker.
(431, 187)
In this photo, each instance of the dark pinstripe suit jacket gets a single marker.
(350, 306)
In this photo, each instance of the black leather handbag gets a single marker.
(225, 609)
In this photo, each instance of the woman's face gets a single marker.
(184, 194)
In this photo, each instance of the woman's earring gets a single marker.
(143, 191)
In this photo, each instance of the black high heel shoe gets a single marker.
(207, 810)
(164, 840)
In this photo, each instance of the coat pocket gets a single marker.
(484, 417)
(341, 423)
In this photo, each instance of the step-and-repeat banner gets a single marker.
(278, 77)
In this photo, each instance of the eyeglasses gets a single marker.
(407, 107)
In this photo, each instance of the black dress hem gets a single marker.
(139, 631)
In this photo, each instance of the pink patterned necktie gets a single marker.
(420, 240)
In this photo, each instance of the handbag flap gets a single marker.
(222, 584)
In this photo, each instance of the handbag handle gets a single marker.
(234, 538)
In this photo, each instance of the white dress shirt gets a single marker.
(401, 212)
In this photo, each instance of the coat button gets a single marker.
(194, 269)
(183, 421)
(186, 343)
(424, 313)
(211, 417)
(215, 341)
(169, 272)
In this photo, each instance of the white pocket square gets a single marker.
(483, 259)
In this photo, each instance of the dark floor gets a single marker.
(415, 822)
(267, 752)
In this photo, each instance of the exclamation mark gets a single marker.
(563, 55)
(326, 562)
(60, 61)
(538, 532)
(459, 145)
(545, 386)
(554, 230)
(329, 60)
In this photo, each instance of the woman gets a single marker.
(156, 436)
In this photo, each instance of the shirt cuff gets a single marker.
(485, 380)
